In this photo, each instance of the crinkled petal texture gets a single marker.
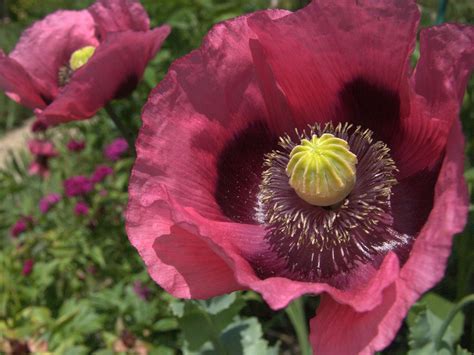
(112, 72)
(29, 75)
(119, 15)
(207, 126)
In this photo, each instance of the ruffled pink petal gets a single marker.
(341, 47)
(119, 15)
(48, 44)
(172, 248)
(340, 329)
(18, 84)
(207, 100)
(446, 62)
(176, 155)
(439, 82)
(113, 71)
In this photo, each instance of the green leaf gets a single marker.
(424, 321)
(242, 337)
(165, 325)
(214, 327)
(461, 351)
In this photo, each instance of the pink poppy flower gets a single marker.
(76, 146)
(77, 186)
(28, 267)
(71, 63)
(116, 149)
(212, 209)
(42, 150)
(101, 172)
(48, 201)
(81, 209)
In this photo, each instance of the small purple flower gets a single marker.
(76, 146)
(28, 267)
(101, 172)
(81, 209)
(48, 201)
(20, 226)
(141, 290)
(116, 149)
(77, 185)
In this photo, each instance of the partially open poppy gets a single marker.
(71, 63)
(297, 153)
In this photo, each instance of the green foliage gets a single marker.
(425, 320)
(214, 327)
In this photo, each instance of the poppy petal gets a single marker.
(338, 45)
(18, 84)
(119, 15)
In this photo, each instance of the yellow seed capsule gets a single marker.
(322, 170)
(81, 57)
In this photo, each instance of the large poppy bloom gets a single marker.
(71, 63)
(211, 210)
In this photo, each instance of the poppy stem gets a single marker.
(447, 321)
(442, 5)
(124, 130)
(296, 314)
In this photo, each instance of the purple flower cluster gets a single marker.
(75, 145)
(101, 172)
(48, 201)
(21, 226)
(77, 186)
(141, 290)
(81, 208)
(28, 267)
(116, 149)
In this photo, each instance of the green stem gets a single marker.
(122, 127)
(295, 312)
(215, 339)
(442, 6)
(452, 313)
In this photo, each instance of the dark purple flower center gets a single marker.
(308, 242)
(317, 243)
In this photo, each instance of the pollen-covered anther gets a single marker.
(80, 57)
(322, 170)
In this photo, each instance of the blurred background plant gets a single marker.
(71, 283)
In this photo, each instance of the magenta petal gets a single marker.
(119, 15)
(113, 71)
(180, 252)
(447, 60)
(172, 247)
(439, 80)
(48, 44)
(336, 44)
(18, 84)
(424, 268)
